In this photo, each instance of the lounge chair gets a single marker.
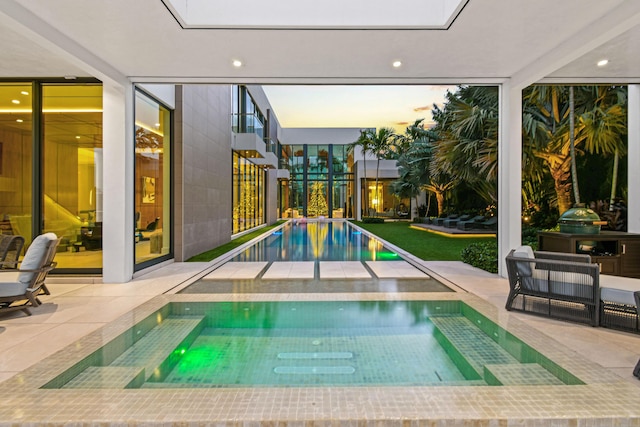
(471, 223)
(10, 250)
(489, 224)
(453, 222)
(440, 221)
(552, 284)
(19, 288)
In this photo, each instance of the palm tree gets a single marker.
(467, 127)
(413, 150)
(601, 123)
(363, 142)
(379, 143)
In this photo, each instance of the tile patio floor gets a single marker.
(79, 308)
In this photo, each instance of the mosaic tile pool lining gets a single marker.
(604, 400)
(288, 344)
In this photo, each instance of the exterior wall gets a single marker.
(271, 207)
(203, 169)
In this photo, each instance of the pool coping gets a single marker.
(605, 399)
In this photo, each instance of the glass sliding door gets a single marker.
(152, 181)
(72, 172)
(16, 159)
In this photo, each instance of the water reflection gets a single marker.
(317, 240)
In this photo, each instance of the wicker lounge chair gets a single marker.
(558, 285)
(19, 288)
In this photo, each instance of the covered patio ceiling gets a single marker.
(488, 41)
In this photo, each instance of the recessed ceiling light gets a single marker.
(603, 62)
(77, 136)
(397, 64)
(24, 92)
(15, 101)
(237, 63)
(19, 120)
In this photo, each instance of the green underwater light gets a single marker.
(387, 255)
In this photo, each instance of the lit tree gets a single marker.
(317, 203)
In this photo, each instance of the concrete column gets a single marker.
(118, 150)
(633, 158)
(510, 173)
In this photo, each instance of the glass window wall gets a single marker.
(152, 180)
(72, 172)
(321, 181)
(248, 194)
(16, 159)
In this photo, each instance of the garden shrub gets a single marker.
(482, 255)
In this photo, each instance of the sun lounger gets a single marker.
(19, 288)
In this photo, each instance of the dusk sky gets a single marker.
(354, 106)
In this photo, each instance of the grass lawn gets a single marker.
(220, 250)
(423, 244)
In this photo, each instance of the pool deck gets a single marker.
(79, 315)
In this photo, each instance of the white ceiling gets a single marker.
(490, 41)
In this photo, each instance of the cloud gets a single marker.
(425, 108)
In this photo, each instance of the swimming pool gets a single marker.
(321, 240)
(311, 344)
(317, 256)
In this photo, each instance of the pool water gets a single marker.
(317, 240)
(311, 344)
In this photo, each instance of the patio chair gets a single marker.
(440, 220)
(453, 222)
(19, 288)
(489, 224)
(471, 223)
(552, 284)
(10, 250)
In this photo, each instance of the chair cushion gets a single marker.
(35, 255)
(10, 285)
(524, 268)
(618, 289)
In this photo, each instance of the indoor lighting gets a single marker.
(77, 136)
(603, 62)
(237, 63)
(19, 120)
(24, 92)
(397, 64)
(15, 101)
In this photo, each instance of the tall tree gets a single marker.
(380, 143)
(467, 127)
(364, 144)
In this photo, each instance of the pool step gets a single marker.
(108, 377)
(519, 374)
(472, 344)
(150, 358)
(478, 356)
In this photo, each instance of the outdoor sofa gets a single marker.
(568, 286)
(552, 284)
(620, 303)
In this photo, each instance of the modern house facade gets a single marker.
(122, 135)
